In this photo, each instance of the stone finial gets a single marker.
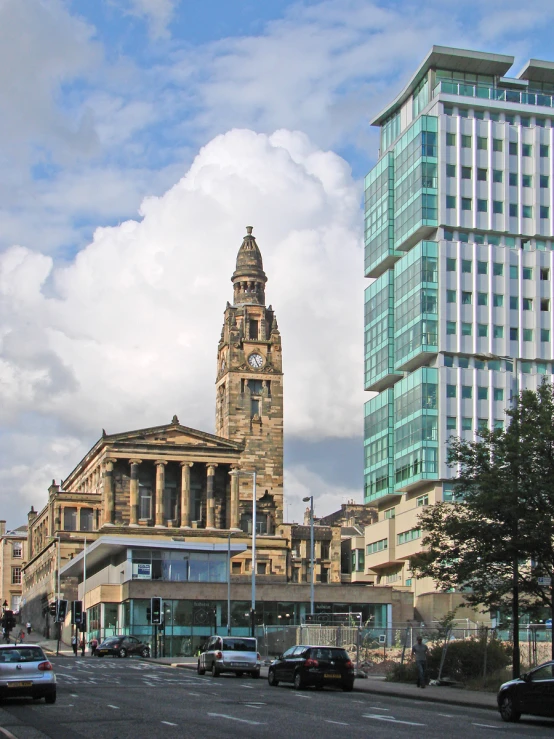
(249, 230)
(104, 433)
(175, 420)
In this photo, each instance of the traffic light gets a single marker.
(61, 611)
(52, 608)
(149, 614)
(76, 612)
(156, 610)
(83, 624)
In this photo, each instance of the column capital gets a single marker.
(135, 461)
(211, 466)
(160, 462)
(186, 464)
(110, 461)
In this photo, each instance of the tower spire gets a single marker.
(249, 277)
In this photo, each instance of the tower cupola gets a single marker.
(249, 277)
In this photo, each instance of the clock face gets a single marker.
(255, 361)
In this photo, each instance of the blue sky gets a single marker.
(125, 120)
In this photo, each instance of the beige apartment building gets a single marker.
(13, 556)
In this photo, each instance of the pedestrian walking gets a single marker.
(93, 646)
(21, 636)
(82, 645)
(28, 627)
(420, 652)
(74, 644)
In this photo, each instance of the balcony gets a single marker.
(494, 93)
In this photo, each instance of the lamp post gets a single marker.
(253, 604)
(516, 657)
(310, 498)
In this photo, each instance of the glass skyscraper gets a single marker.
(459, 245)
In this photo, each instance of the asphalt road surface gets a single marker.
(131, 699)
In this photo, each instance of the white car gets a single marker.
(24, 670)
(230, 654)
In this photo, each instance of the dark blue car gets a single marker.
(532, 693)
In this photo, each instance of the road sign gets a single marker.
(544, 582)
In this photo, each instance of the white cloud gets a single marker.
(126, 335)
(158, 13)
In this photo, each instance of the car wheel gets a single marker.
(298, 681)
(271, 679)
(145, 652)
(256, 674)
(348, 687)
(239, 673)
(200, 670)
(50, 698)
(122, 652)
(508, 711)
(215, 670)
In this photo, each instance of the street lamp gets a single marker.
(253, 604)
(310, 498)
(516, 658)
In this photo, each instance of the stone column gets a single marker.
(210, 502)
(134, 492)
(185, 494)
(160, 487)
(234, 518)
(109, 492)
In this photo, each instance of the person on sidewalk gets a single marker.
(74, 644)
(82, 645)
(28, 627)
(93, 646)
(420, 652)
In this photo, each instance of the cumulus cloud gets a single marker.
(157, 13)
(126, 334)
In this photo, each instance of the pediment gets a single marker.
(172, 435)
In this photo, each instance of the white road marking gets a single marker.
(338, 723)
(198, 695)
(248, 687)
(74, 695)
(392, 720)
(378, 708)
(233, 718)
(110, 706)
(299, 695)
(486, 726)
(168, 723)
(445, 715)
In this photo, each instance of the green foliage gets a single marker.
(504, 510)
(464, 661)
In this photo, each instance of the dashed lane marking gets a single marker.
(445, 715)
(392, 720)
(486, 726)
(110, 706)
(378, 708)
(338, 723)
(234, 718)
(168, 723)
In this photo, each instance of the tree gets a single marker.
(496, 541)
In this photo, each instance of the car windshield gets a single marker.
(22, 654)
(328, 653)
(110, 642)
(239, 645)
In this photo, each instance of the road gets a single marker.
(131, 699)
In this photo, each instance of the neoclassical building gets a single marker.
(168, 510)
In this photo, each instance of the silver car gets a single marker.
(230, 654)
(24, 670)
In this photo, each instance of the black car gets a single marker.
(305, 665)
(122, 646)
(532, 693)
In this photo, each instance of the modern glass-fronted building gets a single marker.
(459, 244)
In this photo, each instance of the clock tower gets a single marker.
(249, 389)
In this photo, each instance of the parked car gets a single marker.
(230, 654)
(305, 665)
(122, 646)
(532, 693)
(25, 671)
